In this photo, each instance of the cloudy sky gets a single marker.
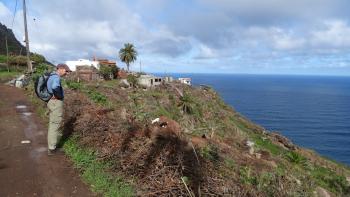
(201, 36)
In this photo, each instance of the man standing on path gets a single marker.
(55, 106)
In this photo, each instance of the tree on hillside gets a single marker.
(128, 54)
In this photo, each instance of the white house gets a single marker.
(82, 62)
(186, 81)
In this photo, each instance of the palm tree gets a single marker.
(128, 54)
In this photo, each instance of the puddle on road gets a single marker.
(27, 113)
(21, 106)
(37, 153)
(31, 130)
(40, 149)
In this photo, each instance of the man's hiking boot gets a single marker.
(57, 151)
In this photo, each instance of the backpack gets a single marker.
(41, 87)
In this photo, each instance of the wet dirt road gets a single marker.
(25, 168)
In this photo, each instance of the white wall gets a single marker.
(82, 62)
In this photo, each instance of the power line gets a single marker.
(14, 15)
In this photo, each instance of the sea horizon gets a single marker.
(257, 74)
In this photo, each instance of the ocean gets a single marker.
(312, 111)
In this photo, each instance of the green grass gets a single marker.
(239, 124)
(97, 97)
(74, 85)
(230, 163)
(93, 94)
(110, 83)
(3, 59)
(4, 75)
(246, 176)
(210, 152)
(94, 171)
(330, 180)
(268, 145)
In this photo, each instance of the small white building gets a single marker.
(149, 81)
(82, 62)
(186, 81)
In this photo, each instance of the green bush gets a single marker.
(187, 103)
(74, 85)
(296, 158)
(18, 60)
(132, 80)
(37, 58)
(3, 59)
(247, 177)
(108, 72)
(42, 68)
(97, 97)
(330, 180)
(39, 70)
(210, 152)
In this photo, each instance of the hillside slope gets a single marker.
(199, 146)
(14, 46)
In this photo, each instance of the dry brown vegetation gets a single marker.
(198, 147)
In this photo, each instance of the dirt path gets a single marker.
(25, 169)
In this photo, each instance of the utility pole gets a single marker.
(29, 63)
(140, 66)
(7, 52)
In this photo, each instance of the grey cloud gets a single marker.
(168, 47)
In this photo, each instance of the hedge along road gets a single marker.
(25, 168)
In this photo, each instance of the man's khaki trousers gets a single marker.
(55, 123)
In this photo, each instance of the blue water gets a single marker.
(312, 111)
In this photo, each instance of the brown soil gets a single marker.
(25, 169)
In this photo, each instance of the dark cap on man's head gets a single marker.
(63, 66)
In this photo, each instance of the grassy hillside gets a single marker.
(200, 146)
(14, 46)
(202, 150)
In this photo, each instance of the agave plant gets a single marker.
(296, 158)
(186, 103)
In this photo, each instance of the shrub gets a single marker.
(186, 103)
(3, 59)
(108, 72)
(74, 85)
(296, 158)
(97, 97)
(132, 80)
(37, 58)
(210, 152)
(330, 180)
(18, 60)
(246, 176)
(40, 70)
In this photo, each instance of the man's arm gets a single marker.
(57, 89)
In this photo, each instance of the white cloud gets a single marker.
(334, 34)
(251, 33)
(5, 13)
(205, 52)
